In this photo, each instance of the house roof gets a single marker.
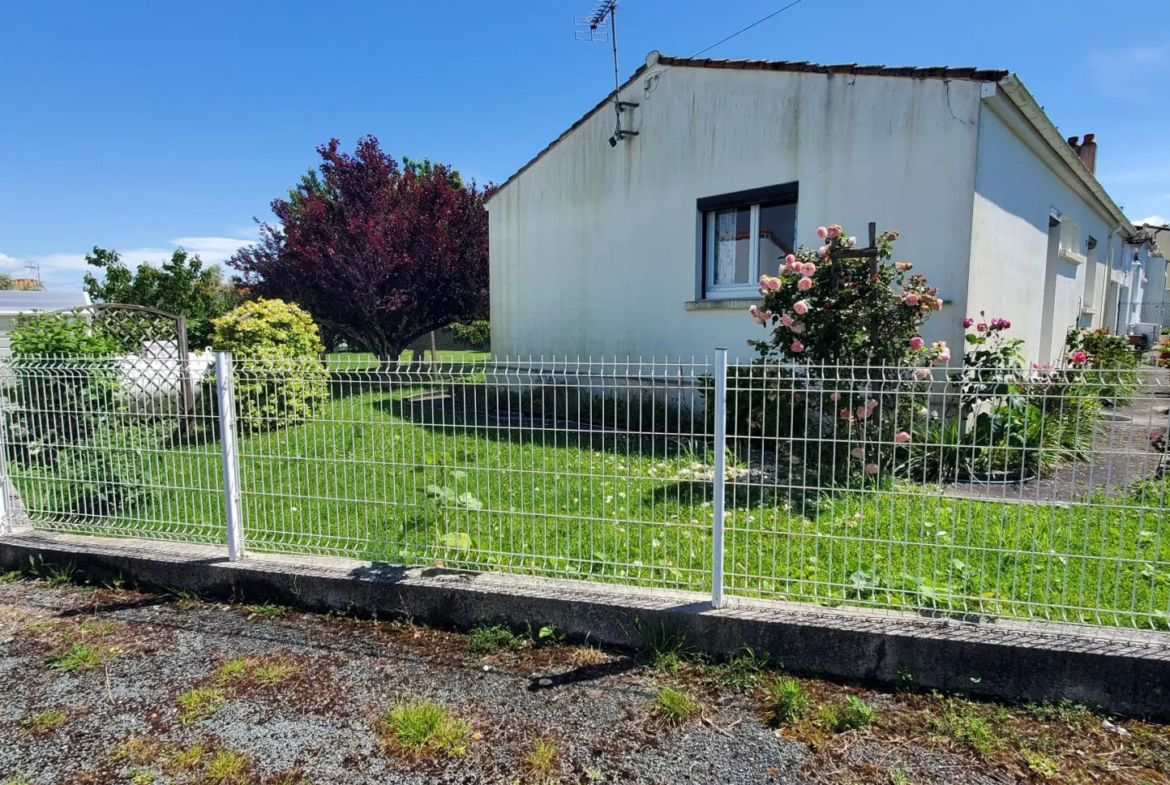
(14, 301)
(1013, 88)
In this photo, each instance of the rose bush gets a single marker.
(837, 384)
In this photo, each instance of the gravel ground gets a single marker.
(319, 722)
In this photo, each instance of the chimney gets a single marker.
(1088, 152)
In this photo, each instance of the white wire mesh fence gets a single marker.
(971, 493)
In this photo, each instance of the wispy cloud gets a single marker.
(1137, 74)
(1153, 220)
(65, 270)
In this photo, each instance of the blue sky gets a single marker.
(146, 125)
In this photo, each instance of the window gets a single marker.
(745, 235)
(1070, 241)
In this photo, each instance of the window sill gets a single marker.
(729, 304)
(1089, 311)
(1071, 257)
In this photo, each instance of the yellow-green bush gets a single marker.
(279, 377)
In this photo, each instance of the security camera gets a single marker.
(613, 141)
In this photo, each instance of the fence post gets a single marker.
(225, 388)
(720, 480)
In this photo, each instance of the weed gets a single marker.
(594, 775)
(426, 728)
(46, 720)
(198, 704)
(548, 635)
(486, 639)
(10, 577)
(177, 759)
(80, 657)
(787, 700)
(853, 714)
(274, 672)
(898, 777)
(186, 600)
(542, 761)
(98, 628)
(60, 575)
(135, 750)
(1041, 763)
(17, 781)
(266, 611)
(675, 707)
(663, 647)
(958, 722)
(744, 669)
(233, 669)
(143, 778)
(1066, 711)
(586, 656)
(227, 767)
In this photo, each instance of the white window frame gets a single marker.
(1070, 242)
(730, 291)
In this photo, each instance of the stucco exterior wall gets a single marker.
(1017, 186)
(594, 250)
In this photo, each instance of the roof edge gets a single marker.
(1023, 100)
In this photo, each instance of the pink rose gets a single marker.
(902, 438)
(857, 452)
(822, 232)
(834, 230)
(911, 299)
(903, 266)
(968, 322)
(801, 307)
(797, 347)
(804, 284)
(921, 374)
(1078, 358)
(871, 468)
(808, 269)
(823, 251)
(846, 414)
(917, 343)
(835, 396)
(794, 267)
(761, 317)
(786, 320)
(862, 412)
(938, 303)
(871, 404)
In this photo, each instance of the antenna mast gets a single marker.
(592, 27)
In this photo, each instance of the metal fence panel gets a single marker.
(108, 446)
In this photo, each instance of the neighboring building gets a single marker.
(14, 302)
(1155, 308)
(640, 244)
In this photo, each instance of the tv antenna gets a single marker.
(600, 26)
(34, 269)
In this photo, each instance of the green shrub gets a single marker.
(851, 715)
(1110, 363)
(477, 334)
(280, 379)
(110, 473)
(59, 335)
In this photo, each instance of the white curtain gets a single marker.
(725, 226)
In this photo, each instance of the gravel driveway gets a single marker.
(305, 704)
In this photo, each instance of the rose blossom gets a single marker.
(790, 258)
(917, 343)
(801, 307)
(834, 230)
(902, 438)
(822, 232)
(862, 412)
(921, 374)
(968, 322)
(797, 347)
(846, 414)
(857, 452)
(911, 299)
(903, 266)
(871, 468)
(804, 284)
(823, 251)
(1078, 357)
(835, 396)
(808, 269)
(786, 320)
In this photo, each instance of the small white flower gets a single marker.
(621, 495)
(609, 500)
(655, 543)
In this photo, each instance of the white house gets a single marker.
(1155, 307)
(15, 302)
(603, 244)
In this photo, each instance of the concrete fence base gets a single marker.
(1124, 672)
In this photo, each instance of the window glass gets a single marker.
(733, 229)
(777, 234)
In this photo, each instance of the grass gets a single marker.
(663, 647)
(392, 480)
(232, 670)
(852, 714)
(199, 703)
(744, 669)
(674, 707)
(266, 611)
(276, 672)
(47, 720)
(787, 700)
(541, 762)
(79, 657)
(425, 729)
(488, 638)
(227, 767)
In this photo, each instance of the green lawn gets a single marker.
(369, 479)
(363, 361)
